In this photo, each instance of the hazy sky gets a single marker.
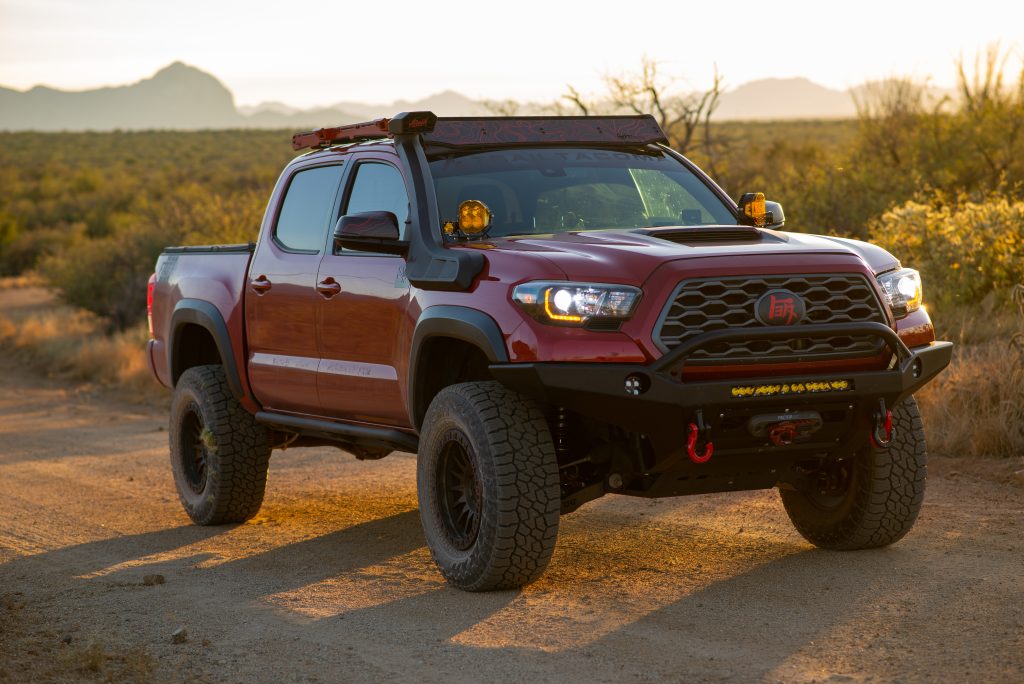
(310, 53)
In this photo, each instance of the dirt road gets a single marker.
(332, 582)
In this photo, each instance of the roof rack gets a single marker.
(406, 122)
(322, 137)
(494, 130)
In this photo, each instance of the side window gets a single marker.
(379, 187)
(302, 223)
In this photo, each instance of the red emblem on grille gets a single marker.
(780, 307)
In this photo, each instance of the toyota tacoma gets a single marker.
(545, 310)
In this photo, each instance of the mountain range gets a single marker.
(184, 97)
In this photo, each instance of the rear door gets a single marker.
(363, 303)
(281, 298)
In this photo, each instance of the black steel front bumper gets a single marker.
(666, 404)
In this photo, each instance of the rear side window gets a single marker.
(379, 187)
(306, 210)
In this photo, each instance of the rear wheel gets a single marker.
(488, 487)
(870, 500)
(219, 453)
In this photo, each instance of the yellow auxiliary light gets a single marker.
(839, 385)
(753, 207)
(474, 217)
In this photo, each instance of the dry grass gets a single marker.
(994, 318)
(94, 662)
(976, 407)
(22, 281)
(71, 344)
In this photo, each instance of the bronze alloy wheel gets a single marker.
(459, 488)
(832, 485)
(195, 456)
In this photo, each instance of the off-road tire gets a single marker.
(505, 439)
(228, 487)
(884, 494)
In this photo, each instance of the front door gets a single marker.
(363, 312)
(281, 299)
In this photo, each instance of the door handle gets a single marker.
(260, 285)
(328, 287)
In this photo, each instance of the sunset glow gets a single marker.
(301, 55)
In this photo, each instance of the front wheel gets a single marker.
(870, 500)
(488, 486)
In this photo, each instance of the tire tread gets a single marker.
(238, 472)
(888, 500)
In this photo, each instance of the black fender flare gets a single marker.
(206, 316)
(460, 323)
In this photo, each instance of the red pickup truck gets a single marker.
(546, 310)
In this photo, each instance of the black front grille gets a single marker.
(700, 306)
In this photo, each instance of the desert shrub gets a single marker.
(25, 249)
(107, 276)
(964, 250)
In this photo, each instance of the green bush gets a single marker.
(107, 275)
(964, 250)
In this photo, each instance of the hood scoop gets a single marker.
(696, 235)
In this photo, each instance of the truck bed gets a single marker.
(192, 281)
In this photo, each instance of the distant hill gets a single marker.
(447, 103)
(784, 98)
(177, 96)
(278, 115)
(183, 97)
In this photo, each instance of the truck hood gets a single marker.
(629, 256)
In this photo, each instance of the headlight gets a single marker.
(902, 290)
(561, 303)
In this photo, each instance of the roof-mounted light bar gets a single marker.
(627, 131)
(499, 131)
(406, 122)
(322, 137)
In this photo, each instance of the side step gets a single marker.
(343, 432)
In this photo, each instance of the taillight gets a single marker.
(149, 302)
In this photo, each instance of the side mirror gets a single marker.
(369, 231)
(776, 217)
(755, 211)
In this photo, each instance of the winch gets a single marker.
(783, 429)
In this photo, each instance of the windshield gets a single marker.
(555, 190)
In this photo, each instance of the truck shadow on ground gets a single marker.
(698, 598)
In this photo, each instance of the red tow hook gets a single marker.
(696, 431)
(881, 434)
